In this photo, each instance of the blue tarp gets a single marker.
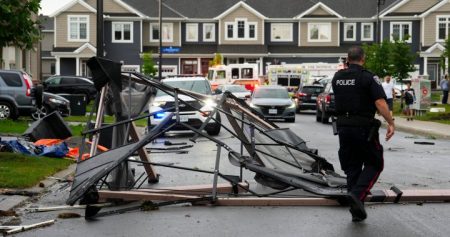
(28, 148)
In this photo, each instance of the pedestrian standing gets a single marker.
(388, 87)
(410, 97)
(358, 95)
(444, 88)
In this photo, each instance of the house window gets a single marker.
(319, 32)
(367, 31)
(78, 28)
(230, 31)
(122, 32)
(251, 31)
(443, 25)
(241, 30)
(349, 31)
(281, 32)
(191, 32)
(401, 31)
(209, 32)
(167, 32)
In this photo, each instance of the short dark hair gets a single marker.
(355, 54)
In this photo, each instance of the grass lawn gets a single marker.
(443, 117)
(11, 127)
(19, 171)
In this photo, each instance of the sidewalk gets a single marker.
(8, 202)
(422, 128)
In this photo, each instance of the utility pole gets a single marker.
(378, 30)
(100, 28)
(160, 41)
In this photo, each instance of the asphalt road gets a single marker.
(406, 165)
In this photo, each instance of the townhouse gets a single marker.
(254, 31)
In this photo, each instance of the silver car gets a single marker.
(274, 103)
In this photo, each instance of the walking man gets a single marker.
(388, 88)
(358, 95)
(444, 88)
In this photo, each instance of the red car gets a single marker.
(325, 105)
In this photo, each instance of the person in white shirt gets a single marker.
(388, 87)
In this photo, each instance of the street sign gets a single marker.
(170, 50)
(422, 87)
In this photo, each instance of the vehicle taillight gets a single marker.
(301, 94)
(328, 99)
(28, 82)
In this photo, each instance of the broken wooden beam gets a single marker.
(198, 189)
(105, 195)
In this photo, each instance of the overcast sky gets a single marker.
(49, 6)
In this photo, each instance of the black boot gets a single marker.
(356, 208)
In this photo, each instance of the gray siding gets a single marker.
(268, 33)
(68, 66)
(126, 52)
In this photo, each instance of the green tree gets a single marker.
(401, 59)
(148, 65)
(445, 55)
(376, 58)
(217, 60)
(19, 25)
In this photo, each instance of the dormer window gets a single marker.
(241, 29)
(319, 32)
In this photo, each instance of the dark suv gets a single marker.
(15, 94)
(307, 97)
(70, 85)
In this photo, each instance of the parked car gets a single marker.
(237, 90)
(273, 102)
(50, 103)
(16, 94)
(306, 97)
(188, 114)
(325, 105)
(70, 85)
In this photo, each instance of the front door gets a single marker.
(189, 66)
(433, 70)
(205, 66)
(85, 71)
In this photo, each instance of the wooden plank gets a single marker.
(197, 189)
(389, 197)
(141, 196)
(149, 169)
(254, 201)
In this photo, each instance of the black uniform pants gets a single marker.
(361, 160)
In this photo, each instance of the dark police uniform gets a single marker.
(360, 153)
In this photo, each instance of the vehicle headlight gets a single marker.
(158, 103)
(56, 101)
(253, 105)
(210, 103)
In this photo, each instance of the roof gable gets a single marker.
(320, 9)
(74, 5)
(86, 48)
(443, 5)
(237, 6)
(410, 7)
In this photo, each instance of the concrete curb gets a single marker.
(426, 129)
(10, 202)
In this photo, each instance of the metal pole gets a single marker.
(378, 22)
(216, 173)
(160, 41)
(100, 28)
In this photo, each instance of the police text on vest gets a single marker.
(345, 82)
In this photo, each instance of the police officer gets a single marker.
(359, 94)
